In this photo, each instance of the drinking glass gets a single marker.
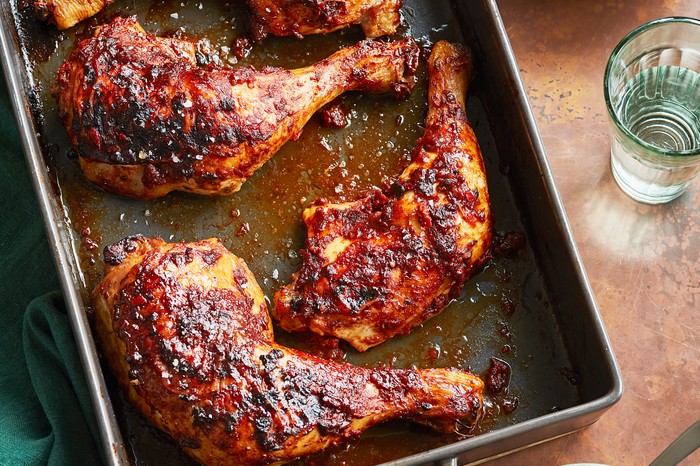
(652, 91)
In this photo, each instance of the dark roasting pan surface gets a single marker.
(563, 373)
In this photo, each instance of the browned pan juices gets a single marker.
(262, 223)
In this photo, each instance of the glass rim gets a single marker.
(606, 91)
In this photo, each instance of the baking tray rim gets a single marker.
(58, 239)
(59, 242)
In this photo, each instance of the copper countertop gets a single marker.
(643, 261)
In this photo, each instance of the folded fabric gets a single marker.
(58, 381)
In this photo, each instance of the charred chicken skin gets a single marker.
(304, 17)
(186, 331)
(377, 267)
(146, 120)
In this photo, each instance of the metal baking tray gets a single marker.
(532, 309)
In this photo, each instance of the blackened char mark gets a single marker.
(116, 253)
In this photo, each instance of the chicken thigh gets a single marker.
(185, 329)
(146, 120)
(377, 267)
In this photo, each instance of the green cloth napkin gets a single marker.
(46, 415)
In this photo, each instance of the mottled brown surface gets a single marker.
(643, 261)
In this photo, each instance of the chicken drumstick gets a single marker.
(377, 267)
(185, 329)
(146, 120)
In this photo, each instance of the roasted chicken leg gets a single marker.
(67, 13)
(377, 267)
(146, 120)
(185, 329)
(304, 17)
